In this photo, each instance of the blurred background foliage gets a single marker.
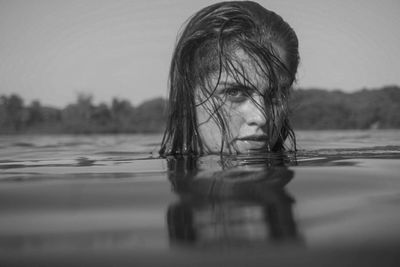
(313, 109)
(366, 109)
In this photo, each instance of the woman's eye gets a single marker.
(236, 94)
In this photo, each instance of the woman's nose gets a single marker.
(255, 111)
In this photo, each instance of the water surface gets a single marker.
(111, 201)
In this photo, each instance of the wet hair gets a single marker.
(206, 48)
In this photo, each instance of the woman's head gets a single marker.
(230, 76)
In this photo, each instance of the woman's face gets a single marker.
(248, 120)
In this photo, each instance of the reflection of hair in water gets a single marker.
(207, 46)
(188, 221)
(185, 173)
(227, 206)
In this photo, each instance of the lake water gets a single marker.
(110, 201)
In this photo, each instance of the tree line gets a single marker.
(314, 109)
(365, 109)
(81, 117)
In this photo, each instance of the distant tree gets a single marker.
(76, 117)
(101, 115)
(35, 113)
(3, 112)
(12, 113)
(150, 116)
(122, 114)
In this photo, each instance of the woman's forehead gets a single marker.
(242, 69)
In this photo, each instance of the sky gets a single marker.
(52, 50)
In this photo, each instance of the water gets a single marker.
(110, 201)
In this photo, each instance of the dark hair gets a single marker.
(207, 46)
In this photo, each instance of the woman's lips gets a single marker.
(251, 142)
(256, 138)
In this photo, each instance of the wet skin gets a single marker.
(241, 104)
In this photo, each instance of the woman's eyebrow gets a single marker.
(226, 85)
(233, 85)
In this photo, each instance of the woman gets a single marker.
(230, 77)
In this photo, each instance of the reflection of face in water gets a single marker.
(234, 206)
